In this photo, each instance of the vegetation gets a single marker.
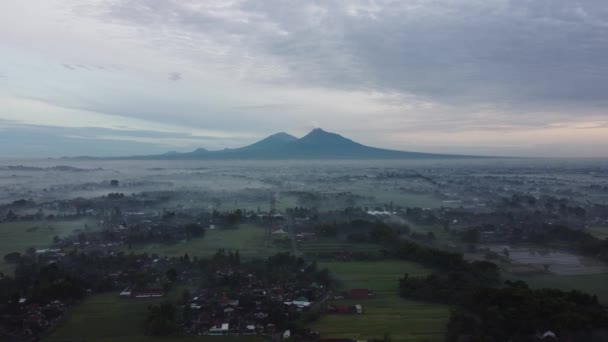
(18, 236)
(249, 239)
(590, 283)
(518, 313)
(107, 317)
(405, 320)
(583, 242)
(161, 319)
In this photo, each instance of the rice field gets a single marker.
(109, 318)
(404, 320)
(323, 246)
(250, 240)
(21, 235)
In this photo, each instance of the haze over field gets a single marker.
(127, 77)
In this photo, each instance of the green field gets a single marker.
(599, 232)
(250, 240)
(109, 318)
(591, 283)
(384, 195)
(405, 320)
(313, 248)
(21, 235)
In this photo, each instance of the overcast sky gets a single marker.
(116, 77)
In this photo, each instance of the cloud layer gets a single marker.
(511, 77)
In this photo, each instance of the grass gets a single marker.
(599, 232)
(21, 235)
(313, 248)
(591, 283)
(405, 320)
(250, 240)
(109, 318)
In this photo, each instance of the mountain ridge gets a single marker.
(317, 144)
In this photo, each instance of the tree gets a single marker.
(114, 182)
(172, 274)
(471, 235)
(195, 229)
(12, 258)
(186, 295)
(161, 320)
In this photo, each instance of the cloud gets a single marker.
(377, 70)
(175, 76)
(542, 52)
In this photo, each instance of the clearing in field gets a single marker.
(250, 240)
(405, 320)
(21, 235)
(109, 318)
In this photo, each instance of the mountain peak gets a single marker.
(282, 135)
(277, 139)
(318, 131)
(317, 144)
(320, 134)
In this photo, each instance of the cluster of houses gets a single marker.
(30, 319)
(256, 306)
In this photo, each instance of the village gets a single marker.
(282, 264)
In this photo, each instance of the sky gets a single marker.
(124, 77)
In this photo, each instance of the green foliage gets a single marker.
(471, 235)
(428, 256)
(161, 319)
(13, 257)
(452, 287)
(406, 320)
(583, 242)
(516, 313)
(116, 195)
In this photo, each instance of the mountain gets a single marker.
(318, 144)
(270, 142)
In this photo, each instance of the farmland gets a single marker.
(386, 195)
(323, 246)
(107, 317)
(21, 235)
(250, 240)
(405, 320)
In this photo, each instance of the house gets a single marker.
(147, 293)
(341, 309)
(345, 309)
(219, 329)
(301, 302)
(360, 294)
(548, 336)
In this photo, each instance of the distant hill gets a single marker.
(318, 144)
